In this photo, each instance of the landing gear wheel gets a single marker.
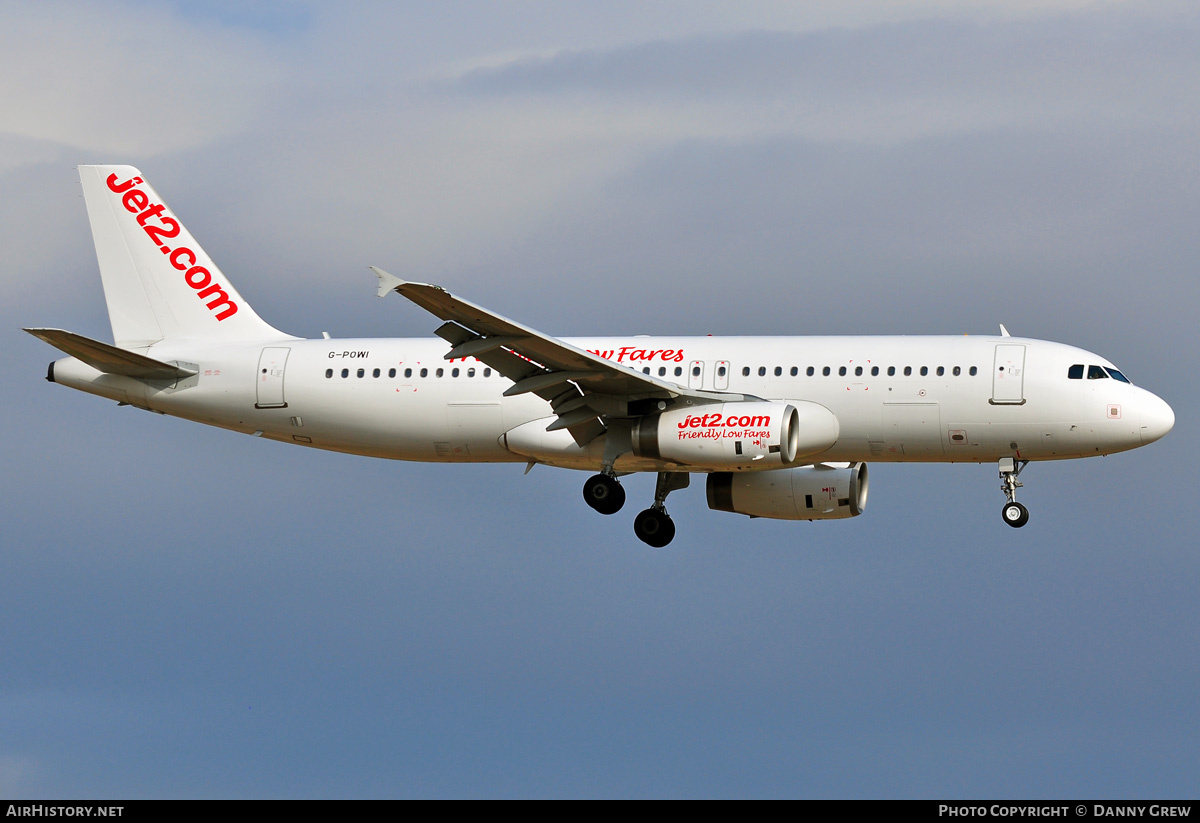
(1015, 514)
(604, 494)
(654, 528)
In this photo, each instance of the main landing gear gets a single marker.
(603, 492)
(653, 526)
(1014, 513)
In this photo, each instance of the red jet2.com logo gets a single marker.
(181, 257)
(719, 427)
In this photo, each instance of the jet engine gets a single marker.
(820, 492)
(740, 436)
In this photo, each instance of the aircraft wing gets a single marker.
(580, 386)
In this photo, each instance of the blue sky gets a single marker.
(190, 612)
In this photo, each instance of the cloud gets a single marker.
(462, 165)
(439, 170)
(125, 80)
(881, 83)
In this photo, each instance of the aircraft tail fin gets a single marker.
(158, 283)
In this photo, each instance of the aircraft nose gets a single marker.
(1157, 419)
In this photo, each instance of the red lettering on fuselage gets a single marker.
(631, 354)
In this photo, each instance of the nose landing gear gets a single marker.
(1013, 513)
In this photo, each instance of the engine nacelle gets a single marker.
(743, 435)
(819, 492)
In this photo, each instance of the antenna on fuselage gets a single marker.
(1004, 331)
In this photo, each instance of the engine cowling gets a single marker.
(741, 436)
(820, 492)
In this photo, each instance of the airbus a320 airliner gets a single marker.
(783, 427)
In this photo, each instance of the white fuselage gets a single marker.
(784, 426)
(896, 399)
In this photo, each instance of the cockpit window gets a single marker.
(1097, 373)
(1116, 375)
(1075, 372)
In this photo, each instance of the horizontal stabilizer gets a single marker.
(110, 359)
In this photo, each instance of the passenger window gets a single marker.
(974, 371)
(1075, 372)
(679, 371)
(345, 372)
(391, 372)
(941, 371)
(745, 371)
(762, 371)
(795, 371)
(375, 373)
(891, 371)
(470, 372)
(329, 372)
(424, 372)
(487, 372)
(662, 371)
(908, 371)
(874, 371)
(408, 372)
(695, 371)
(646, 370)
(362, 372)
(721, 371)
(924, 371)
(454, 373)
(957, 371)
(825, 371)
(842, 371)
(858, 371)
(811, 371)
(1116, 375)
(1097, 373)
(778, 371)
(439, 372)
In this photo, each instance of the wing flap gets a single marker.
(519, 369)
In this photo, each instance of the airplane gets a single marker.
(782, 427)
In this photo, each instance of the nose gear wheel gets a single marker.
(1013, 513)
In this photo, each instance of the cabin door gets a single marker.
(271, 364)
(1008, 375)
